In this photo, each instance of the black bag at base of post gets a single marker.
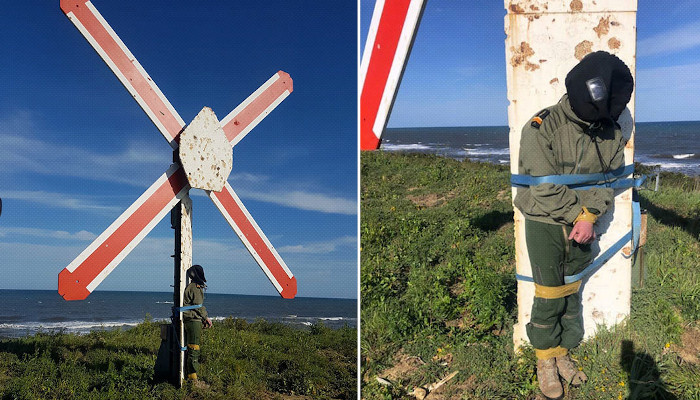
(168, 359)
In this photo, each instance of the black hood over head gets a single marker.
(599, 87)
(196, 274)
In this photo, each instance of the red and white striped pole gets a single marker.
(389, 41)
(124, 65)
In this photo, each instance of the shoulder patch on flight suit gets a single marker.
(536, 121)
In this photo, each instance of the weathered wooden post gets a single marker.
(545, 39)
(181, 217)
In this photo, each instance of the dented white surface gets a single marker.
(545, 39)
(205, 152)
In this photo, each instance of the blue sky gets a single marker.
(76, 150)
(456, 73)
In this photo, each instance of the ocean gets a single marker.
(674, 146)
(26, 312)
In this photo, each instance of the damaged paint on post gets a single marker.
(562, 34)
(205, 152)
(183, 263)
(569, 6)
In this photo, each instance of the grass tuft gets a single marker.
(438, 289)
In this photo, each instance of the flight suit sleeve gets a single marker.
(199, 299)
(555, 201)
(202, 312)
(597, 200)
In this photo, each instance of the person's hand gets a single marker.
(207, 323)
(582, 233)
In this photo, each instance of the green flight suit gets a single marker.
(562, 144)
(193, 320)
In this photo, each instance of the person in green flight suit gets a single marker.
(578, 135)
(194, 319)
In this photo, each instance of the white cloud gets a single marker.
(145, 270)
(305, 201)
(290, 194)
(672, 41)
(669, 78)
(60, 200)
(320, 247)
(46, 233)
(246, 177)
(292, 198)
(20, 152)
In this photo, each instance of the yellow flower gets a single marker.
(668, 345)
(622, 383)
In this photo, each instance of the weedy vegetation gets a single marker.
(239, 360)
(438, 292)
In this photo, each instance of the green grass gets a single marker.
(239, 360)
(438, 289)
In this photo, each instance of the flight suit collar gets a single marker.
(570, 114)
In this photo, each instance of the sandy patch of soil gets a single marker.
(431, 199)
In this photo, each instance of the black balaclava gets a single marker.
(599, 87)
(196, 275)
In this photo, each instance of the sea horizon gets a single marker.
(28, 311)
(506, 125)
(207, 292)
(671, 145)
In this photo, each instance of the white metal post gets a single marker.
(545, 39)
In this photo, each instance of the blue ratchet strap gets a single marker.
(618, 184)
(181, 309)
(587, 181)
(573, 180)
(602, 258)
(185, 308)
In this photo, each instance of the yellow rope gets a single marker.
(549, 353)
(556, 292)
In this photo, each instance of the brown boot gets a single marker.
(569, 371)
(548, 377)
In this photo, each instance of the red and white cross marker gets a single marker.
(91, 267)
(391, 35)
(98, 260)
